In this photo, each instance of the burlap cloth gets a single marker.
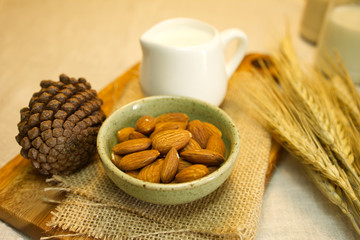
(95, 207)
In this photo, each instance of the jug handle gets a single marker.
(234, 34)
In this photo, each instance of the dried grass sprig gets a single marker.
(305, 113)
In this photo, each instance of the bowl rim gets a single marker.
(231, 159)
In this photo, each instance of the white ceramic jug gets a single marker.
(186, 57)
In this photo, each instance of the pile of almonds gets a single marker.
(169, 149)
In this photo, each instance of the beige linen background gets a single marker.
(98, 40)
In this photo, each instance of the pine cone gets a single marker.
(58, 130)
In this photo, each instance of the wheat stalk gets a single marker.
(334, 195)
(346, 90)
(276, 114)
(303, 112)
(342, 121)
(342, 146)
(341, 71)
(349, 101)
(346, 100)
(314, 97)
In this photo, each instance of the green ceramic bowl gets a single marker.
(160, 193)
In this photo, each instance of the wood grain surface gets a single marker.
(22, 192)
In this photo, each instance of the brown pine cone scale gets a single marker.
(57, 131)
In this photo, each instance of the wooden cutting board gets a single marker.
(22, 188)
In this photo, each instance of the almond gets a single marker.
(213, 168)
(170, 166)
(123, 134)
(193, 144)
(136, 135)
(173, 117)
(145, 124)
(216, 144)
(203, 156)
(133, 145)
(165, 140)
(151, 172)
(115, 158)
(212, 129)
(137, 160)
(133, 173)
(183, 164)
(161, 126)
(192, 173)
(199, 132)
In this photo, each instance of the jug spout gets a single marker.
(145, 45)
(148, 39)
(149, 44)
